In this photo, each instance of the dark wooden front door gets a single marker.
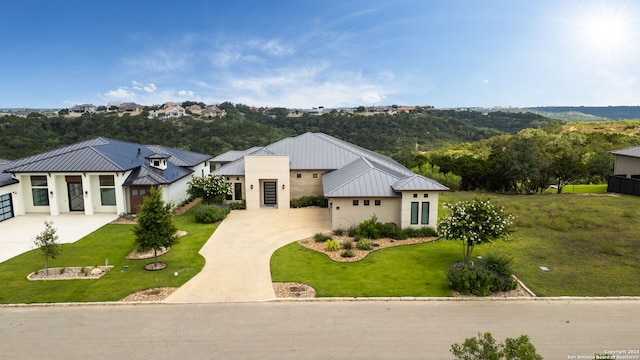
(136, 197)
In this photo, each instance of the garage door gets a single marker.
(6, 207)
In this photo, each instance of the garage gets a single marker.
(6, 207)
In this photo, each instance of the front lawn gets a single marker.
(589, 243)
(112, 242)
(412, 270)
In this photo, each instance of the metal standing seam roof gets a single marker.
(234, 155)
(6, 178)
(358, 172)
(631, 151)
(108, 155)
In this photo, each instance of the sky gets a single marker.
(305, 54)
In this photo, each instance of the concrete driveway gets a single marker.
(239, 251)
(16, 234)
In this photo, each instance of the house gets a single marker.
(130, 108)
(213, 111)
(8, 189)
(97, 176)
(626, 171)
(78, 110)
(357, 182)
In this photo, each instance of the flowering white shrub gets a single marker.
(212, 189)
(474, 222)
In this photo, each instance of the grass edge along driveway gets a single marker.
(112, 242)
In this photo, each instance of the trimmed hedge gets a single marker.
(306, 201)
(209, 214)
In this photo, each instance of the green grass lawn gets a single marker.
(113, 242)
(590, 243)
(412, 270)
(582, 189)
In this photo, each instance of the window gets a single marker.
(425, 195)
(107, 190)
(366, 203)
(425, 213)
(415, 195)
(39, 191)
(355, 202)
(237, 189)
(315, 176)
(299, 176)
(414, 213)
(156, 163)
(377, 202)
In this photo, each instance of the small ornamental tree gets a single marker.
(474, 222)
(155, 227)
(47, 243)
(211, 189)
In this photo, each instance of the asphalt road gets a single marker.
(313, 330)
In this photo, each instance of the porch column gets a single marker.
(54, 208)
(88, 195)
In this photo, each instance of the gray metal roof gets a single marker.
(632, 151)
(109, 155)
(358, 172)
(234, 155)
(6, 178)
(418, 183)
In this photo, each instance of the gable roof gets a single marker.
(6, 178)
(631, 151)
(353, 171)
(109, 155)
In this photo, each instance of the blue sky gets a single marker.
(320, 53)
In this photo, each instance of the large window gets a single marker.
(425, 213)
(414, 212)
(39, 191)
(107, 190)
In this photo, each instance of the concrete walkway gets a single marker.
(239, 251)
(16, 234)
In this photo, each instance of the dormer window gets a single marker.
(158, 161)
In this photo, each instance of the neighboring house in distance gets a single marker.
(99, 176)
(168, 111)
(130, 108)
(357, 182)
(213, 111)
(195, 108)
(78, 110)
(626, 172)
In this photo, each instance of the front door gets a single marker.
(269, 193)
(76, 197)
(136, 197)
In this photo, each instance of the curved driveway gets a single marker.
(239, 251)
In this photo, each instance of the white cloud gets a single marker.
(371, 97)
(185, 93)
(151, 87)
(120, 93)
(158, 60)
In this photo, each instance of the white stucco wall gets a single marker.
(626, 165)
(259, 169)
(345, 215)
(419, 196)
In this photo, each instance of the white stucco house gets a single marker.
(626, 172)
(357, 182)
(96, 176)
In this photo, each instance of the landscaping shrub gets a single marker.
(332, 245)
(469, 278)
(347, 254)
(499, 263)
(424, 231)
(209, 214)
(238, 205)
(320, 237)
(347, 245)
(365, 244)
(339, 232)
(391, 230)
(373, 229)
(305, 201)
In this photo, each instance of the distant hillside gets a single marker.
(593, 113)
(506, 121)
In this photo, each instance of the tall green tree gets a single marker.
(47, 243)
(155, 227)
